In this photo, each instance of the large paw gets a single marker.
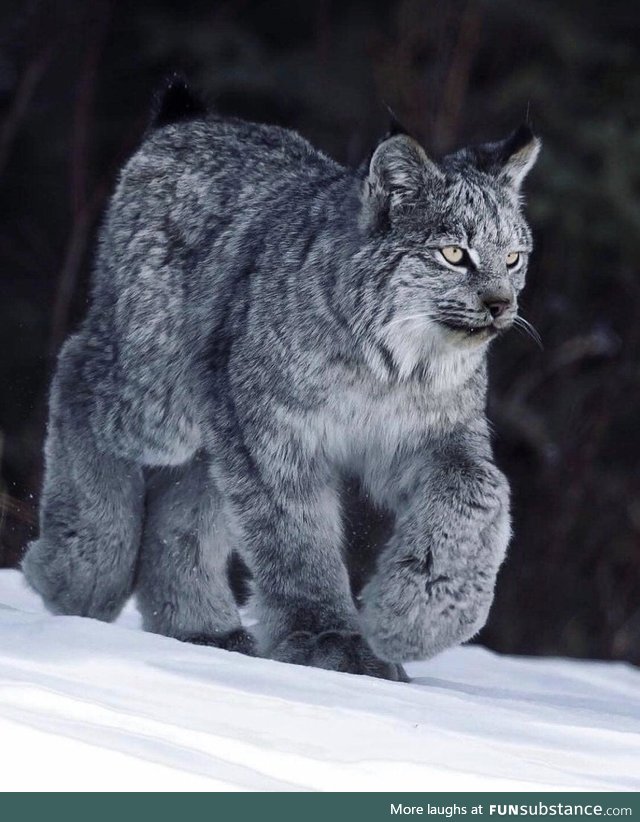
(71, 588)
(336, 651)
(239, 641)
(409, 615)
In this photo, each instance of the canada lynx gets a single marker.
(264, 323)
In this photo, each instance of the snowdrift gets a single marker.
(90, 706)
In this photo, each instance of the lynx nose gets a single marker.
(496, 302)
(497, 307)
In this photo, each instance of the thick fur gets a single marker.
(263, 324)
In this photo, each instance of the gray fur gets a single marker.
(264, 323)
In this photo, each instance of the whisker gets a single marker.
(529, 330)
(455, 304)
(468, 316)
(410, 317)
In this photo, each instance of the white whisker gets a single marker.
(529, 330)
(409, 318)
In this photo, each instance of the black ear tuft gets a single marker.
(517, 140)
(395, 126)
(175, 102)
(509, 160)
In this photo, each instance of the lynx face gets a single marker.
(457, 241)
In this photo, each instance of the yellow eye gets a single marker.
(453, 254)
(513, 258)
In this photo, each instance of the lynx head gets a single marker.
(452, 245)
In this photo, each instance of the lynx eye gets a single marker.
(513, 258)
(453, 254)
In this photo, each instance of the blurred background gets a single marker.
(76, 81)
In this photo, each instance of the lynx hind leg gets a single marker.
(182, 585)
(144, 359)
(91, 509)
(149, 422)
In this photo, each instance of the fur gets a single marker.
(265, 323)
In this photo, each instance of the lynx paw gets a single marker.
(336, 651)
(239, 641)
(411, 616)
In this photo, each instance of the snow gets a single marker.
(94, 707)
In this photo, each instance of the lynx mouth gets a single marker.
(477, 331)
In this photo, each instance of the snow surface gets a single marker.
(93, 707)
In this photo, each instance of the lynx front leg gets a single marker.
(434, 582)
(289, 513)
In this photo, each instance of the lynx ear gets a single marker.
(509, 160)
(399, 166)
(399, 169)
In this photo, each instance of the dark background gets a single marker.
(76, 80)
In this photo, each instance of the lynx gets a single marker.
(264, 325)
